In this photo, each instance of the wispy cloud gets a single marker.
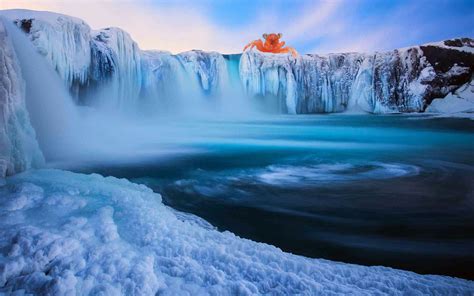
(405, 24)
(315, 20)
(186, 26)
(168, 27)
(312, 26)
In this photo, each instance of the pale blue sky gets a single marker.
(309, 26)
(381, 24)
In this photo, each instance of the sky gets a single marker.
(313, 26)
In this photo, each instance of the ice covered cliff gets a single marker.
(109, 62)
(108, 66)
(111, 237)
(19, 149)
(402, 80)
(85, 59)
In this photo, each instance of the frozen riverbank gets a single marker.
(72, 233)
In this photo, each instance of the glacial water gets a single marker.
(375, 190)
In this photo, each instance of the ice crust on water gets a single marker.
(67, 233)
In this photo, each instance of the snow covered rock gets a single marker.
(453, 66)
(460, 101)
(66, 233)
(19, 149)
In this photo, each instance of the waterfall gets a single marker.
(107, 69)
(51, 108)
(19, 149)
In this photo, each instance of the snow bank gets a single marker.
(460, 44)
(66, 233)
(19, 149)
(455, 104)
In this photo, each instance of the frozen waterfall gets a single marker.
(51, 110)
(106, 68)
(19, 149)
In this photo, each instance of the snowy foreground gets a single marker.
(67, 233)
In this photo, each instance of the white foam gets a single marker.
(284, 175)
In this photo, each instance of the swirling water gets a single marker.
(375, 190)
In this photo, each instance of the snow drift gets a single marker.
(66, 233)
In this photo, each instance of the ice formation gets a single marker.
(19, 149)
(66, 233)
(403, 80)
(63, 40)
(163, 76)
(109, 62)
(210, 68)
(123, 60)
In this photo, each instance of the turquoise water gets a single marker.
(375, 190)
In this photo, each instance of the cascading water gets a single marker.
(172, 89)
(234, 100)
(52, 111)
(138, 97)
